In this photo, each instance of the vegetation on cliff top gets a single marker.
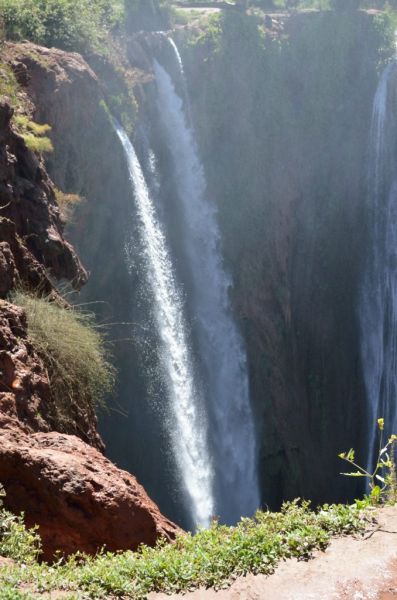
(80, 25)
(213, 557)
(85, 25)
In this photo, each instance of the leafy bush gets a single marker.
(70, 24)
(17, 542)
(213, 557)
(74, 353)
(80, 25)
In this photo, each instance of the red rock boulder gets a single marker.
(80, 500)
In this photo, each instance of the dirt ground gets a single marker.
(352, 568)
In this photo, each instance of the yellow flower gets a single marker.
(381, 424)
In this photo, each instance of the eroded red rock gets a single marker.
(79, 499)
(25, 393)
(30, 222)
(54, 473)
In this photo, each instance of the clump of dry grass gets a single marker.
(34, 134)
(67, 203)
(75, 353)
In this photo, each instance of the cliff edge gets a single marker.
(59, 478)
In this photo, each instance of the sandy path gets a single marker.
(350, 569)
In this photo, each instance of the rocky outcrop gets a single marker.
(88, 160)
(79, 499)
(64, 93)
(58, 477)
(33, 246)
(24, 385)
(25, 393)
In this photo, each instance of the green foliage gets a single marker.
(67, 203)
(382, 480)
(10, 593)
(34, 134)
(8, 84)
(24, 124)
(74, 353)
(38, 144)
(17, 542)
(78, 25)
(213, 557)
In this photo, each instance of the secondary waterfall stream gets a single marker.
(188, 421)
(230, 420)
(378, 309)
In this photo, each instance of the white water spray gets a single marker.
(189, 428)
(378, 306)
(230, 420)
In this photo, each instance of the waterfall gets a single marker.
(188, 423)
(378, 306)
(222, 356)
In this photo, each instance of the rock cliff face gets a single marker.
(293, 216)
(33, 247)
(77, 497)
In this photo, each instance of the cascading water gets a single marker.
(188, 420)
(378, 307)
(230, 420)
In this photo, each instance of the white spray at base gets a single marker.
(189, 426)
(378, 303)
(230, 420)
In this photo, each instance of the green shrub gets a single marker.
(17, 542)
(78, 25)
(74, 353)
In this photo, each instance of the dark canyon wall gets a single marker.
(283, 122)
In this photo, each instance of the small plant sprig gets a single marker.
(382, 487)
